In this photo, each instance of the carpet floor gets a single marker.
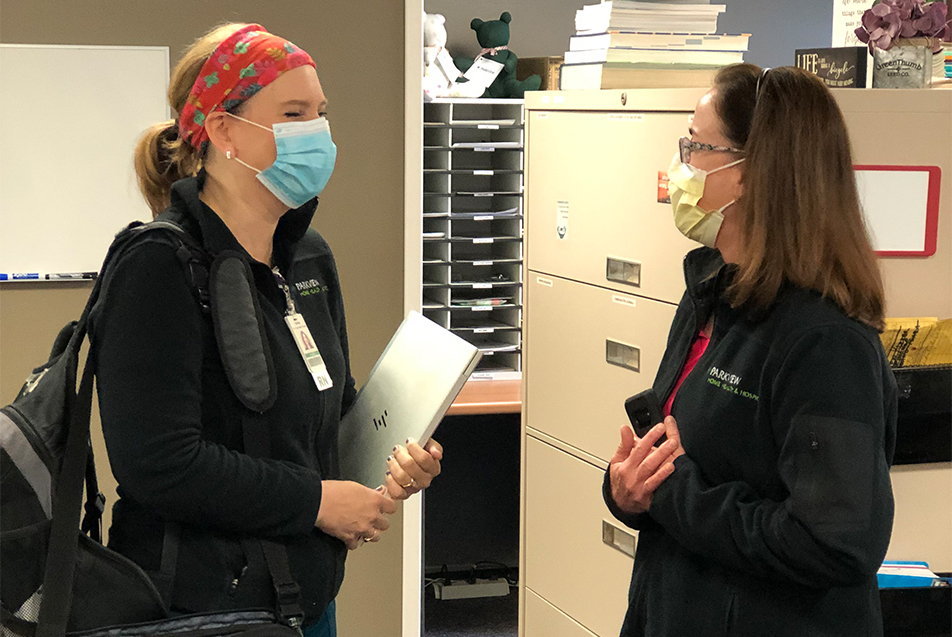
(480, 617)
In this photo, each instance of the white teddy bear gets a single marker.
(439, 73)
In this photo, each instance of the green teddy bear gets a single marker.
(493, 36)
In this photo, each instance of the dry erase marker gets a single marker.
(71, 276)
(22, 276)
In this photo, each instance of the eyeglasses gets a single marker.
(687, 146)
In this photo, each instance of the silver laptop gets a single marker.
(410, 388)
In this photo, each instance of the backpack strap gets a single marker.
(287, 593)
(226, 291)
(78, 467)
(62, 551)
(95, 501)
(240, 333)
(64, 538)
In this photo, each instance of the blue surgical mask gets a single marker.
(305, 160)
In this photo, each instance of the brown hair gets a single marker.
(161, 157)
(800, 214)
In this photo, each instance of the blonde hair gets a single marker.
(161, 156)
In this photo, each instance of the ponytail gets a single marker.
(161, 159)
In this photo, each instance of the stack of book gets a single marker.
(648, 43)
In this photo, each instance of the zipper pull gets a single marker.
(233, 587)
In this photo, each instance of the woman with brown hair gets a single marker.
(768, 509)
(205, 469)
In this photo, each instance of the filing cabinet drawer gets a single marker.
(587, 349)
(592, 190)
(545, 620)
(566, 561)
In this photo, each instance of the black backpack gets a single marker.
(57, 577)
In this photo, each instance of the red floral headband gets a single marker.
(246, 62)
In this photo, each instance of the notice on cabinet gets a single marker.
(627, 117)
(663, 195)
(562, 218)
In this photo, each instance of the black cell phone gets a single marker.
(644, 411)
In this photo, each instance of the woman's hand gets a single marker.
(638, 468)
(353, 513)
(412, 468)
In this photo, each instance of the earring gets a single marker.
(227, 154)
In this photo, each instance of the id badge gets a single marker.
(309, 352)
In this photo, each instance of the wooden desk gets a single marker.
(488, 397)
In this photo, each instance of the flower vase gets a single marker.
(906, 64)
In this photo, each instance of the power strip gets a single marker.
(461, 589)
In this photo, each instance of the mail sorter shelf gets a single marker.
(473, 225)
(491, 124)
(475, 216)
(502, 112)
(496, 159)
(472, 137)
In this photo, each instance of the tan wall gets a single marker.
(915, 286)
(361, 213)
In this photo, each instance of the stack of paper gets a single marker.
(896, 574)
(918, 342)
(648, 43)
(646, 15)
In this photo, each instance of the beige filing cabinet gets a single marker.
(603, 277)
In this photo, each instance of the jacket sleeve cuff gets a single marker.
(311, 506)
(631, 520)
(666, 493)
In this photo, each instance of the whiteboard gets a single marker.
(901, 208)
(70, 117)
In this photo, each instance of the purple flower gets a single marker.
(933, 19)
(890, 20)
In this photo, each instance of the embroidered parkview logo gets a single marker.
(728, 382)
(309, 287)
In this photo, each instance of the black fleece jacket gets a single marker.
(778, 516)
(173, 426)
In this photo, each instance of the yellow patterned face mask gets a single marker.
(686, 187)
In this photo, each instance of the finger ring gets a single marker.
(370, 538)
(411, 483)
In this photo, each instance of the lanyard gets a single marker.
(302, 337)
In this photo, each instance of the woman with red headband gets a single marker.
(240, 171)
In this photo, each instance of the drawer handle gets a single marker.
(627, 356)
(619, 539)
(621, 271)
